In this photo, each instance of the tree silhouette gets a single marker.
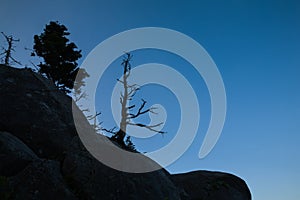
(7, 52)
(127, 113)
(78, 84)
(59, 55)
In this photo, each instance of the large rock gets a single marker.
(24, 176)
(41, 179)
(53, 160)
(42, 157)
(91, 179)
(15, 155)
(208, 185)
(35, 111)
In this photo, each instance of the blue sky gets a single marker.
(256, 47)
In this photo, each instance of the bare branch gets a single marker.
(90, 117)
(112, 130)
(150, 127)
(15, 60)
(140, 111)
(129, 86)
(34, 65)
(133, 91)
(10, 48)
(82, 95)
(85, 110)
(130, 107)
(152, 110)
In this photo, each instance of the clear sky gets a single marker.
(256, 46)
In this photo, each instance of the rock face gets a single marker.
(208, 185)
(41, 156)
(34, 111)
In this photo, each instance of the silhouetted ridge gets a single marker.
(41, 156)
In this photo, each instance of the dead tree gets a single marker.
(127, 113)
(7, 52)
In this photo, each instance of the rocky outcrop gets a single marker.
(33, 110)
(41, 156)
(25, 176)
(208, 185)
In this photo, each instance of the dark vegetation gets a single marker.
(60, 56)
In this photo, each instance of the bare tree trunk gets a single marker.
(120, 135)
(126, 111)
(123, 123)
(8, 51)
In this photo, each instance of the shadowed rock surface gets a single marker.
(41, 156)
(208, 185)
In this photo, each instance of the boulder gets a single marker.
(91, 179)
(40, 180)
(14, 154)
(207, 185)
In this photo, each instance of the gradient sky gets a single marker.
(256, 46)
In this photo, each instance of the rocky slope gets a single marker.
(41, 156)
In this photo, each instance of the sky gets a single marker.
(256, 47)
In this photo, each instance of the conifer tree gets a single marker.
(59, 55)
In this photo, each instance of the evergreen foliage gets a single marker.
(59, 55)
